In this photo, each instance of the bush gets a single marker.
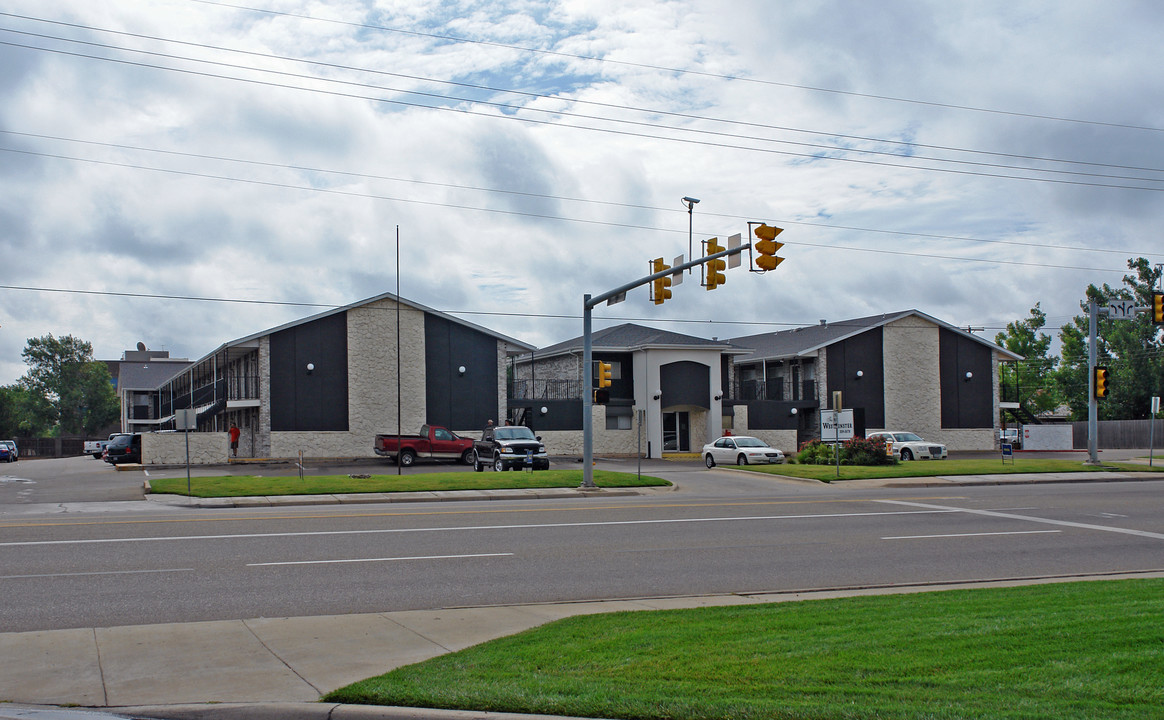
(858, 451)
(862, 451)
(815, 452)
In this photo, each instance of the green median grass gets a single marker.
(252, 485)
(930, 468)
(1064, 651)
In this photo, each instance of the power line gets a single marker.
(350, 193)
(284, 166)
(580, 116)
(681, 71)
(577, 101)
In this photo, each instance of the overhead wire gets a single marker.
(684, 71)
(617, 121)
(546, 96)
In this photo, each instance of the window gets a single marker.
(618, 418)
(615, 370)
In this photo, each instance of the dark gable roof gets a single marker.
(809, 339)
(629, 337)
(149, 375)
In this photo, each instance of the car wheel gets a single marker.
(467, 457)
(709, 461)
(906, 454)
(498, 466)
(742, 459)
(477, 465)
(406, 458)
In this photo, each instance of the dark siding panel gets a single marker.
(965, 403)
(454, 400)
(685, 383)
(624, 387)
(560, 414)
(864, 352)
(315, 402)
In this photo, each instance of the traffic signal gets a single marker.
(1158, 308)
(1102, 376)
(715, 267)
(604, 374)
(601, 397)
(662, 285)
(768, 247)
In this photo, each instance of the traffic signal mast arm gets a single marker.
(593, 302)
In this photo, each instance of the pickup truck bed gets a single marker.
(433, 443)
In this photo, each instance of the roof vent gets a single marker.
(824, 323)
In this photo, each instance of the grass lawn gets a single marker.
(251, 485)
(929, 468)
(1076, 651)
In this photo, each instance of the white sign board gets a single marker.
(836, 425)
(186, 419)
(1121, 309)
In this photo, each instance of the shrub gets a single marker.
(862, 451)
(815, 452)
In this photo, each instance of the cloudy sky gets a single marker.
(967, 159)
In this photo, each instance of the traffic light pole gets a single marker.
(588, 304)
(1092, 403)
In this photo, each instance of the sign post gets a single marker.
(835, 427)
(1152, 428)
(186, 420)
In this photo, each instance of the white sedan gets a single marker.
(909, 446)
(741, 450)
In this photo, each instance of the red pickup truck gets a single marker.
(433, 443)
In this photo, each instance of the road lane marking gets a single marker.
(531, 526)
(387, 559)
(102, 572)
(1028, 518)
(979, 534)
(315, 515)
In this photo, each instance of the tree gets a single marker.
(1131, 349)
(23, 413)
(77, 389)
(1030, 381)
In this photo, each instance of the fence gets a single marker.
(51, 447)
(1119, 434)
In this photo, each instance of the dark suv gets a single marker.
(123, 449)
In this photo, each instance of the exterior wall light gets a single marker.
(461, 370)
(860, 374)
(310, 368)
(545, 409)
(969, 375)
(793, 411)
(658, 394)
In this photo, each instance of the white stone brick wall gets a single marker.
(371, 385)
(206, 448)
(913, 393)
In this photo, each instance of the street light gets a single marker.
(690, 202)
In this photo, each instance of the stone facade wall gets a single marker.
(913, 389)
(552, 370)
(611, 443)
(371, 385)
(782, 440)
(206, 448)
(263, 431)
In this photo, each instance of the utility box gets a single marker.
(1047, 437)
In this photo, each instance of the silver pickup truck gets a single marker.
(96, 448)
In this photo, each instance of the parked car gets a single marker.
(8, 451)
(1012, 436)
(909, 446)
(741, 450)
(432, 443)
(123, 449)
(96, 448)
(509, 447)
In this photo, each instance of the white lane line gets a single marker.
(532, 526)
(1028, 518)
(981, 534)
(105, 572)
(387, 559)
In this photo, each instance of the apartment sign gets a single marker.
(836, 425)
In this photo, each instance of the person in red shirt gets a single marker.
(234, 433)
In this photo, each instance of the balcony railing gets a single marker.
(774, 389)
(545, 390)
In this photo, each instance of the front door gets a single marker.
(676, 432)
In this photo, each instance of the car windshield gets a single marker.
(750, 442)
(514, 433)
(120, 441)
(906, 437)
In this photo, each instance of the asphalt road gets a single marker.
(119, 563)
